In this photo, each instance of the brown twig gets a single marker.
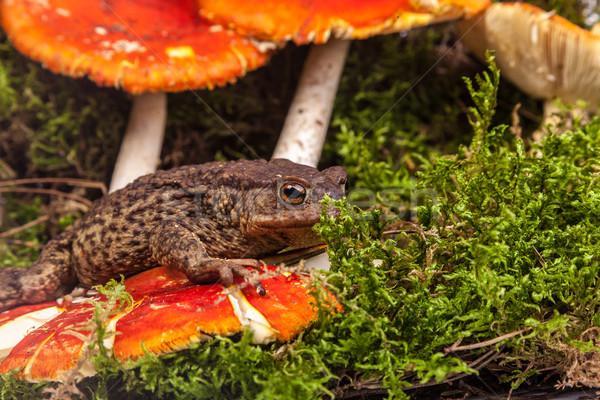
(28, 225)
(510, 392)
(539, 256)
(66, 181)
(375, 389)
(455, 347)
(24, 243)
(48, 191)
(478, 364)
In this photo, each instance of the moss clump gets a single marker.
(508, 243)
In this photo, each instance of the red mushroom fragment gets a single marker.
(543, 54)
(51, 350)
(155, 321)
(285, 293)
(22, 320)
(317, 21)
(141, 46)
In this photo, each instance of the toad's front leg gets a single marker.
(173, 245)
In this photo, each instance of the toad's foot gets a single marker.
(178, 247)
(223, 271)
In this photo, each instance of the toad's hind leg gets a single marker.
(46, 279)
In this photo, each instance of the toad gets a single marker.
(210, 221)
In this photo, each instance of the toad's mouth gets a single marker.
(286, 220)
(266, 224)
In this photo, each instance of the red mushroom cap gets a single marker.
(140, 46)
(168, 314)
(316, 20)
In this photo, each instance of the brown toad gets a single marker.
(207, 220)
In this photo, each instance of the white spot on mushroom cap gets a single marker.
(40, 3)
(107, 54)
(180, 52)
(262, 46)
(429, 5)
(63, 12)
(100, 30)
(128, 46)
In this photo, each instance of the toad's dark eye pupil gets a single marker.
(293, 193)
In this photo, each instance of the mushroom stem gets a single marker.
(141, 145)
(306, 124)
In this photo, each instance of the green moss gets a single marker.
(491, 238)
(14, 214)
(13, 388)
(513, 245)
(64, 126)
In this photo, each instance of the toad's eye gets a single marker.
(293, 193)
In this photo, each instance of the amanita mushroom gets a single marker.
(543, 54)
(161, 297)
(141, 47)
(318, 21)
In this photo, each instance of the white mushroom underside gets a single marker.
(540, 55)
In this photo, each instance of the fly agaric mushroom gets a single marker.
(161, 296)
(303, 21)
(142, 47)
(542, 53)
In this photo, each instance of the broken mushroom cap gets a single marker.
(138, 46)
(316, 20)
(542, 53)
(168, 313)
(47, 352)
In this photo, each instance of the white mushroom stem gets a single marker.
(141, 145)
(306, 124)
